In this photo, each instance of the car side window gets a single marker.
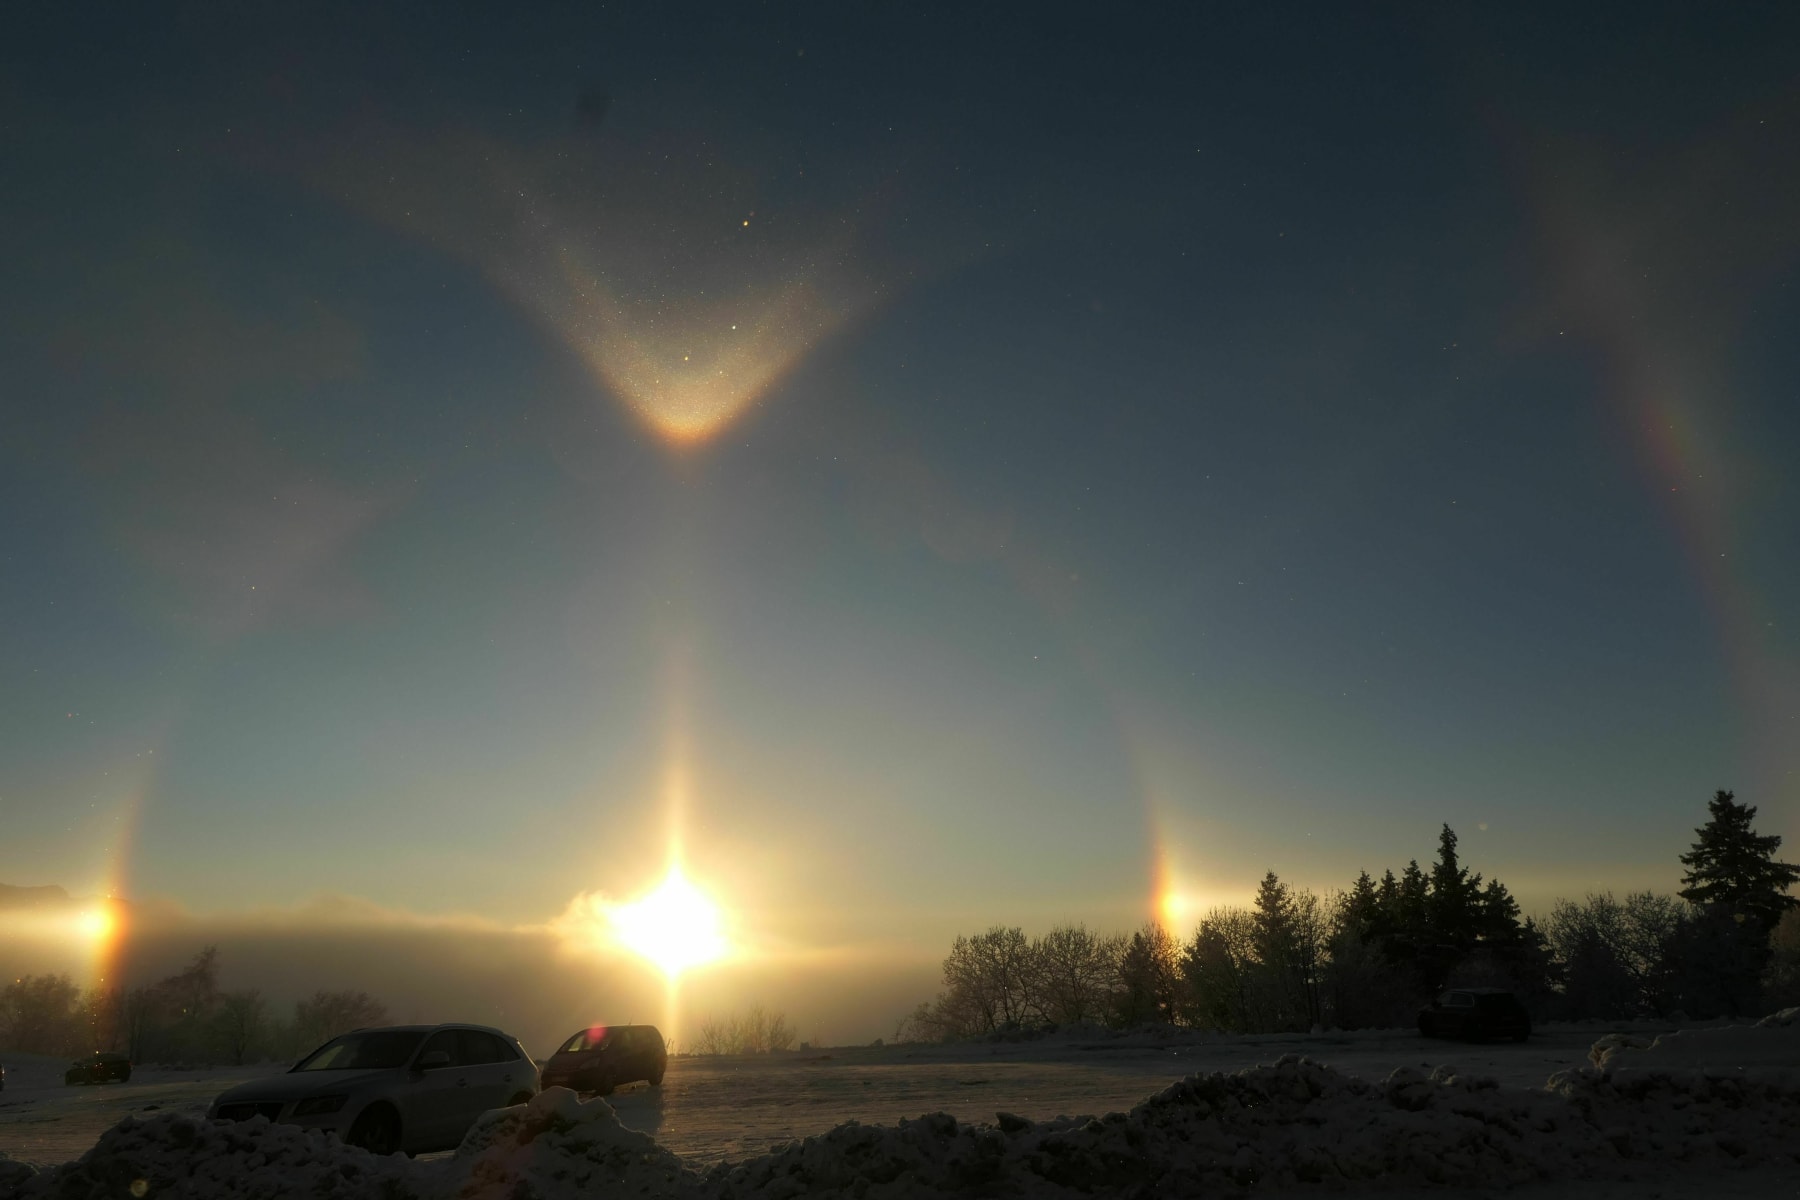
(480, 1047)
(1459, 1000)
(445, 1040)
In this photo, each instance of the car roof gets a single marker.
(429, 1028)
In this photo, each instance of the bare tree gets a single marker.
(1781, 979)
(1310, 949)
(324, 1015)
(138, 1018)
(989, 977)
(38, 1014)
(1620, 958)
(758, 1031)
(182, 1008)
(102, 1016)
(239, 1022)
(715, 1036)
(1074, 972)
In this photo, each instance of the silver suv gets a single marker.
(415, 1088)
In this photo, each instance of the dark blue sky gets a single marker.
(1006, 461)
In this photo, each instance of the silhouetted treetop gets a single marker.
(1735, 868)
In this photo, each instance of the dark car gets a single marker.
(1476, 1013)
(102, 1066)
(416, 1088)
(601, 1058)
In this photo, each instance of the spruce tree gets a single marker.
(1411, 906)
(1498, 920)
(1733, 869)
(1359, 909)
(1454, 895)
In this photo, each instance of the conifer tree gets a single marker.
(1359, 909)
(1411, 904)
(1735, 870)
(1387, 905)
(1450, 906)
(1497, 922)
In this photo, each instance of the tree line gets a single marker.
(757, 1031)
(1726, 944)
(185, 1017)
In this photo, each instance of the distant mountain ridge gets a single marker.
(13, 897)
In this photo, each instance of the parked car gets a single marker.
(603, 1057)
(102, 1066)
(412, 1088)
(1475, 1013)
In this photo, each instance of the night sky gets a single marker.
(925, 467)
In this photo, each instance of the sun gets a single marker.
(676, 926)
(96, 924)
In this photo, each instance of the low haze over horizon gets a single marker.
(856, 476)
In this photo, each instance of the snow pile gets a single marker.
(12, 1174)
(1296, 1122)
(1767, 1052)
(172, 1155)
(556, 1146)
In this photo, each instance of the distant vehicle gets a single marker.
(2, 1077)
(412, 1088)
(1475, 1013)
(102, 1066)
(601, 1058)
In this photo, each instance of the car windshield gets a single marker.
(363, 1051)
(587, 1039)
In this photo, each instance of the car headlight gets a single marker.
(312, 1106)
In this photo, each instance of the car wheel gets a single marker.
(377, 1130)
(1426, 1027)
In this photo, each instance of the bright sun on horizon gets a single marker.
(676, 926)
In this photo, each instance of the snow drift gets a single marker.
(1711, 1097)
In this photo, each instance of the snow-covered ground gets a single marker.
(1703, 1113)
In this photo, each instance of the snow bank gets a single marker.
(556, 1146)
(1295, 1122)
(1767, 1052)
(172, 1155)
